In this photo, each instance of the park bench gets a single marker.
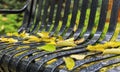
(91, 18)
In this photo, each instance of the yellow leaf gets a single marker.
(15, 34)
(66, 43)
(46, 40)
(66, 48)
(9, 34)
(102, 47)
(51, 61)
(11, 40)
(12, 34)
(47, 47)
(79, 41)
(8, 40)
(43, 34)
(60, 38)
(53, 38)
(52, 42)
(33, 39)
(96, 48)
(3, 39)
(70, 39)
(111, 51)
(26, 42)
(78, 56)
(23, 34)
(69, 62)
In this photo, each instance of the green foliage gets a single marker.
(9, 23)
(11, 4)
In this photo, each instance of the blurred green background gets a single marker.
(10, 22)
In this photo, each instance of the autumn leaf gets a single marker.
(95, 48)
(22, 34)
(69, 62)
(47, 47)
(78, 56)
(79, 41)
(70, 39)
(52, 42)
(59, 38)
(26, 42)
(51, 61)
(102, 47)
(8, 40)
(43, 34)
(66, 48)
(52, 39)
(68, 42)
(12, 34)
(33, 38)
(11, 40)
(111, 51)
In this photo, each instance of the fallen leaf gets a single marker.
(66, 48)
(111, 51)
(70, 39)
(33, 38)
(65, 43)
(52, 42)
(59, 38)
(79, 41)
(68, 42)
(43, 34)
(95, 48)
(23, 34)
(11, 40)
(8, 40)
(26, 42)
(51, 61)
(78, 56)
(69, 62)
(12, 34)
(102, 47)
(47, 47)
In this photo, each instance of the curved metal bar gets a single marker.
(113, 20)
(15, 11)
(65, 17)
(73, 19)
(101, 24)
(57, 17)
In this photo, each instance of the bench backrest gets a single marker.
(62, 16)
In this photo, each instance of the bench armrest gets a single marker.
(5, 11)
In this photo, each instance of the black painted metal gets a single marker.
(42, 15)
(15, 11)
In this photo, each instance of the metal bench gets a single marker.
(44, 15)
